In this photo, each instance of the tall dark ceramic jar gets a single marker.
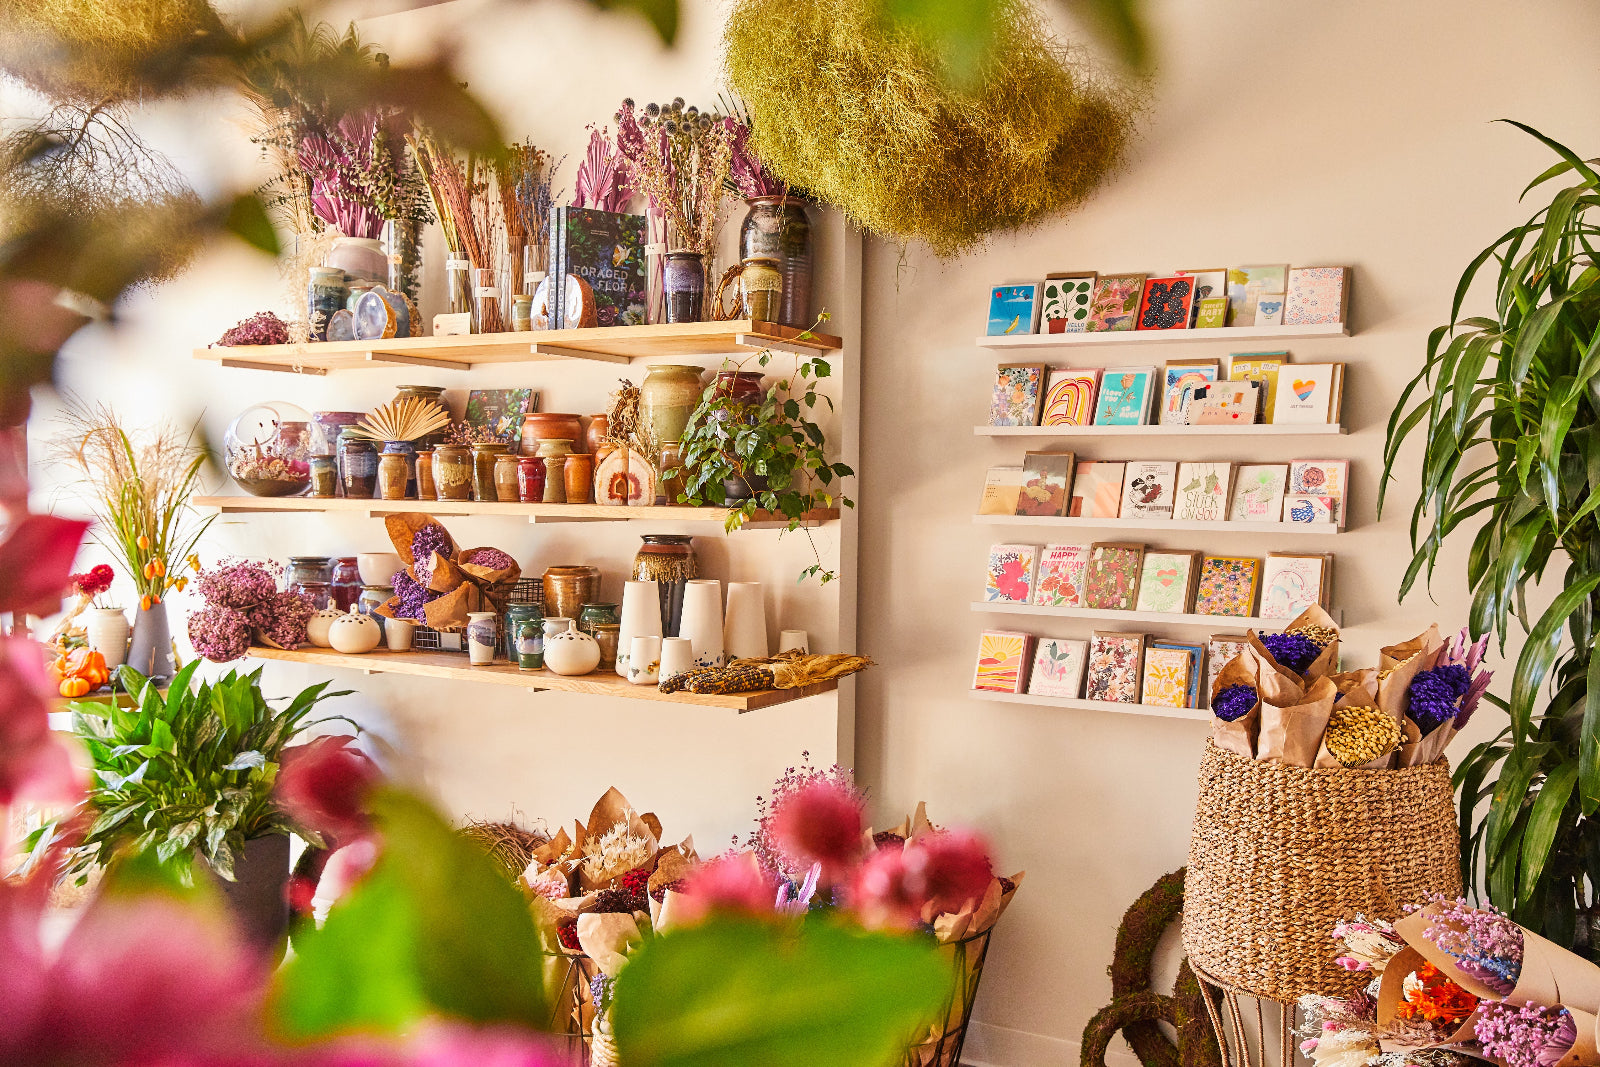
(669, 560)
(777, 227)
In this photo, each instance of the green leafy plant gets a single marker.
(189, 773)
(1509, 412)
(770, 445)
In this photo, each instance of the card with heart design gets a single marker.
(1304, 393)
(1166, 581)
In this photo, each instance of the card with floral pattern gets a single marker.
(1112, 580)
(1010, 577)
(1018, 388)
(1166, 678)
(1227, 586)
(1058, 665)
(1115, 663)
(1061, 573)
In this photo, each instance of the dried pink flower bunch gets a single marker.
(242, 597)
(262, 328)
(1528, 1035)
(1484, 943)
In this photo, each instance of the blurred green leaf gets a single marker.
(733, 993)
(1120, 26)
(961, 32)
(661, 14)
(247, 219)
(433, 928)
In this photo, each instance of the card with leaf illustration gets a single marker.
(1116, 661)
(1046, 484)
(1166, 677)
(1112, 580)
(1116, 302)
(1060, 579)
(1227, 586)
(1010, 574)
(1202, 493)
(1067, 301)
(1058, 666)
(1166, 581)
(1258, 492)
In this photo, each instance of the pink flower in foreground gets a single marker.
(325, 784)
(35, 764)
(731, 883)
(890, 888)
(463, 1046)
(938, 873)
(819, 823)
(958, 869)
(36, 563)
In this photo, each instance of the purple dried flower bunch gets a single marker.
(492, 558)
(1527, 1035)
(746, 173)
(1234, 702)
(792, 780)
(412, 594)
(262, 328)
(1293, 649)
(242, 597)
(1485, 944)
(427, 541)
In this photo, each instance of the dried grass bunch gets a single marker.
(461, 199)
(92, 53)
(507, 843)
(859, 110)
(679, 157)
(524, 177)
(405, 419)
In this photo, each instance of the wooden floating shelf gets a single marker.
(1232, 334)
(615, 344)
(1287, 430)
(1289, 529)
(453, 665)
(1155, 710)
(1165, 618)
(535, 513)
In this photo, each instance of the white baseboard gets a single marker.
(997, 1046)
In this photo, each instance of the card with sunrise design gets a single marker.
(1166, 581)
(1002, 661)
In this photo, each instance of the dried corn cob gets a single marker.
(739, 678)
(677, 683)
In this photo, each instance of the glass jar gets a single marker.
(596, 612)
(361, 258)
(486, 301)
(458, 281)
(358, 464)
(452, 472)
(761, 288)
(530, 479)
(308, 569)
(777, 227)
(484, 456)
(684, 279)
(394, 470)
(424, 465)
(346, 579)
(505, 478)
(402, 247)
(667, 397)
(605, 635)
(319, 593)
(521, 313)
(325, 294)
(530, 645)
(324, 476)
(669, 560)
(516, 616)
(267, 449)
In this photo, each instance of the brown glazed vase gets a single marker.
(579, 475)
(594, 435)
(544, 425)
(568, 588)
(669, 560)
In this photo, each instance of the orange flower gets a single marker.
(1434, 998)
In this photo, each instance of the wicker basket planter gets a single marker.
(1279, 854)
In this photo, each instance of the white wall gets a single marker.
(1356, 133)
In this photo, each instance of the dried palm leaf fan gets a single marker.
(405, 419)
(858, 109)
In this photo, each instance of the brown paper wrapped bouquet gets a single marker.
(442, 583)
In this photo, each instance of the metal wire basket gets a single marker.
(427, 639)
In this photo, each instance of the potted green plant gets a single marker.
(763, 452)
(1508, 409)
(188, 774)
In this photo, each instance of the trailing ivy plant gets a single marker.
(1508, 409)
(772, 445)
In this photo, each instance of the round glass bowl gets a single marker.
(268, 449)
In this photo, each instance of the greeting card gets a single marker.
(1002, 487)
(1058, 665)
(1210, 283)
(1018, 388)
(1258, 492)
(1097, 490)
(1227, 586)
(1116, 302)
(1304, 393)
(1060, 579)
(1069, 400)
(1112, 580)
(1014, 309)
(1211, 313)
(1166, 303)
(1182, 378)
(1166, 677)
(1291, 583)
(1202, 493)
(1309, 510)
(500, 411)
(1115, 662)
(1147, 489)
(1260, 367)
(1067, 299)
(1245, 286)
(1317, 295)
(1010, 575)
(1125, 394)
(1002, 661)
(1046, 484)
(1321, 477)
(1166, 580)
(1196, 656)
(1225, 404)
(1220, 651)
(1269, 309)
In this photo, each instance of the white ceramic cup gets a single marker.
(677, 656)
(744, 629)
(644, 656)
(702, 620)
(640, 617)
(790, 640)
(399, 634)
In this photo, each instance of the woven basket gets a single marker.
(1278, 855)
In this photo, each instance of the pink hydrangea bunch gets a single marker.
(242, 597)
(1528, 1035)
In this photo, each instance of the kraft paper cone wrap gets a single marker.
(1550, 975)
(1365, 678)
(466, 587)
(608, 938)
(613, 809)
(402, 528)
(1292, 735)
(1394, 655)
(1585, 1051)
(1391, 991)
(1358, 696)
(1238, 736)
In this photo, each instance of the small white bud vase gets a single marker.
(794, 641)
(483, 638)
(644, 660)
(319, 624)
(354, 633)
(640, 617)
(702, 620)
(677, 657)
(399, 633)
(107, 631)
(571, 652)
(744, 631)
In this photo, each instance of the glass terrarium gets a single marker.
(268, 449)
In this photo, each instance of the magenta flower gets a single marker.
(958, 870)
(36, 563)
(35, 764)
(819, 823)
(732, 883)
(325, 784)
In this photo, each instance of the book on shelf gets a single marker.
(606, 250)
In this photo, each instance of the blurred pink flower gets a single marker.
(732, 883)
(35, 764)
(325, 784)
(890, 888)
(35, 563)
(958, 870)
(819, 823)
(933, 875)
(464, 1046)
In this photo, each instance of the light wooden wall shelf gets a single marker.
(1286, 529)
(1265, 430)
(1117, 618)
(614, 344)
(1153, 710)
(1230, 334)
(536, 513)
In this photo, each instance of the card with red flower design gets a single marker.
(1010, 577)
(1061, 574)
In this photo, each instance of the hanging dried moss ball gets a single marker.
(857, 109)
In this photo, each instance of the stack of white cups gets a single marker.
(641, 617)
(702, 620)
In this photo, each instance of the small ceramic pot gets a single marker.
(324, 476)
(483, 636)
(319, 624)
(644, 660)
(425, 488)
(555, 479)
(394, 471)
(677, 657)
(794, 641)
(594, 435)
(568, 588)
(354, 633)
(684, 279)
(530, 479)
(452, 472)
(571, 652)
(530, 645)
(555, 624)
(377, 568)
(483, 461)
(107, 631)
(548, 425)
(399, 633)
(578, 473)
(505, 478)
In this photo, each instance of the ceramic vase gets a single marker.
(150, 650)
(579, 474)
(571, 652)
(318, 625)
(644, 660)
(354, 633)
(668, 396)
(641, 617)
(702, 620)
(107, 631)
(794, 641)
(777, 227)
(669, 560)
(677, 656)
(744, 628)
(685, 284)
(257, 896)
(399, 633)
(482, 637)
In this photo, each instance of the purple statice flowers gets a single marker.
(1525, 1035)
(411, 597)
(492, 558)
(424, 543)
(1434, 696)
(1485, 944)
(219, 634)
(1293, 650)
(1233, 702)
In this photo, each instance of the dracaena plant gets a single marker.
(1508, 410)
(188, 775)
